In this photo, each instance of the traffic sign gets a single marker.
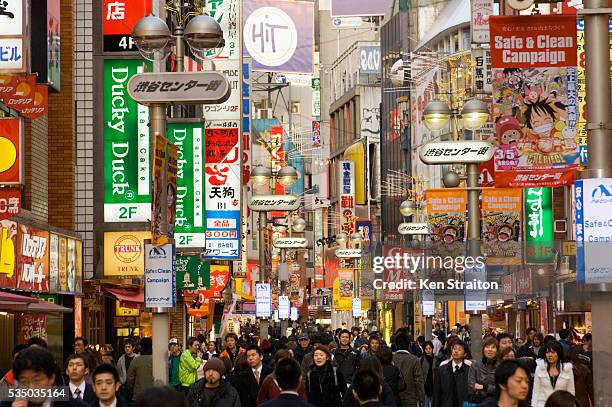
(462, 151)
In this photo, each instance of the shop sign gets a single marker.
(118, 19)
(227, 14)
(480, 12)
(356, 307)
(364, 227)
(290, 243)
(539, 231)
(33, 259)
(316, 98)
(463, 151)
(412, 228)
(63, 264)
(127, 161)
(13, 45)
(283, 307)
(429, 308)
(40, 103)
(228, 108)
(8, 253)
(33, 325)
(266, 203)
(223, 193)
(294, 314)
(123, 253)
(348, 253)
(192, 273)
(481, 79)
(316, 133)
(160, 290)
(593, 230)
(160, 146)
(346, 189)
(53, 44)
(78, 317)
(501, 225)
(53, 262)
(246, 120)
(263, 300)
(10, 202)
(347, 22)
(293, 79)
(369, 59)
(219, 278)
(189, 223)
(11, 145)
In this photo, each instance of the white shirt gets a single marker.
(258, 370)
(113, 404)
(456, 364)
(80, 387)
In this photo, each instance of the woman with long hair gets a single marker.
(325, 384)
(552, 374)
(270, 389)
(481, 377)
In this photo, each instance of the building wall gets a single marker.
(36, 171)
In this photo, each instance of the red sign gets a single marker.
(33, 326)
(120, 16)
(535, 178)
(41, 103)
(221, 146)
(10, 202)
(23, 94)
(11, 142)
(487, 173)
(533, 41)
(33, 259)
(219, 278)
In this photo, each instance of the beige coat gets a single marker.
(542, 387)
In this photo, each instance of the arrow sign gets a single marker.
(463, 151)
(179, 88)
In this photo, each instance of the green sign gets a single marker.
(52, 298)
(192, 273)
(127, 162)
(539, 232)
(189, 227)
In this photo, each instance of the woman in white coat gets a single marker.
(551, 375)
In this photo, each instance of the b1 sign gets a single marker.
(160, 288)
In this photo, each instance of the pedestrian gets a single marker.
(391, 374)
(266, 347)
(451, 381)
(504, 340)
(249, 380)
(345, 356)
(270, 389)
(512, 384)
(552, 374)
(213, 390)
(140, 373)
(362, 339)
(561, 398)
(8, 380)
(374, 344)
(303, 348)
(481, 376)
(411, 372)
(289, 379)
(325, 385)
(106, 385)
(583, 378)
(507, 354)
(427, 366)
(369, 362)
(190, 363)
(59, 375)
(77, 370)
(123, 364)
(163, 396)
(565, 339)
(366, 389)
(36, 366)
(174, 363)
(232, 351)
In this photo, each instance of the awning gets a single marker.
(9, 298)
(127, 298)
(37, 305)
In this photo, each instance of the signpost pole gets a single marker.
(474, 249)
(263, 269)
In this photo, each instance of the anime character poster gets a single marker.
(535, 100)
(501, 225)
(446, 210)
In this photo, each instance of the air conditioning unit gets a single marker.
(263, 113)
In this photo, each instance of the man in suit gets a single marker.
(106, 383)
(367, 388)
(451, 383)
(289, 379)
(77, 371)
(249, 380)
(35, 367)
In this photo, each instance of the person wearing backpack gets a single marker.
(325, 384)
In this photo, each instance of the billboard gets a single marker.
(123, 253)
(446, 214)
(13, 36)
(118, 19)
(501, 225)
(230, 109)
(539, 227)
(127, 172)
(32, 259)
(279, 35)
(11, 145)
(8, 253)
(347, 8)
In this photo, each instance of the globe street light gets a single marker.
(204, 33)
(436, 115)
(261, 175)
(287, 175)
(356, 239)
(299, 225)
(407, 208)
(152, 37)
(474, 114)
(341, 239)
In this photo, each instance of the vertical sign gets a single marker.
(53, 43)
(160, 288)
(593, 230)
(13, 44)
(316, 133)
(316, 99)
(346, 188)
(539, 233)
(119, 17)
(159, 167)
(8, 253)
(189, 223)
(283, 307)
(481, 10)
(127, 180)
(11, 145)
(356, 307)
(33, 259)
(263, 300)
(227, 14)
(446, 214)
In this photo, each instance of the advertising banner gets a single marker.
(63, 264)
(10, 202)
(70, 264)
(8, 253)
(78, 272)
(189, 223)
(263, 300)
(480, 12)
(11, 145)
(33, 325)
(123, 253)
(33, 259)
(159, 167)
(346, 189)
(446, 214)
(593, 230)
(539, 227)
(13, 46)
(279, 35)
(535, 93)
(219, 278)
(54, 284)
(192, 273)
(160, 290)
(227, 14)
(223, 189)
(340, 300)
(345, 284)
(501, 225)
(53, 44)
(127, 171)
(316, 133)
(230, 109)
(118, 19)
(172, 174)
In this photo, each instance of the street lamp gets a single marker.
(341, 239)
(436, 115)
(407, 208)
(299, 225)
(287, 175)
(356, 239)
(152, 37)
(474, 114)
(261, 175)
(204, 33)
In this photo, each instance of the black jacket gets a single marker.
(450, 388)
(386, 397)
(325, 387)
(482, 372)
(226, 395)
(286, 400)
(247, 387)
(88, 396)
(347, 361)
(394, 379)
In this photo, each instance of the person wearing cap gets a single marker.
(303, 347)
(174, 362)
(212, 390)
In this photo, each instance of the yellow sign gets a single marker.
(125, 312)
(340, 304)
(8, 232)
(124, 253)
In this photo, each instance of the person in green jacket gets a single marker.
(190, 362)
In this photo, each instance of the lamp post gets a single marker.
(154, 41)
(296, 225)
(474, 115)
(262, 176)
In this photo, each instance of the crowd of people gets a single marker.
(319, 368)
